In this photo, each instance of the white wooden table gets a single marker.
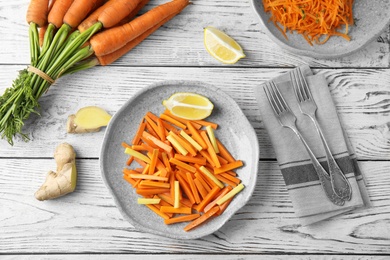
(87, 223)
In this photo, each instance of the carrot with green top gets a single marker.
(115, 38)
(37, 12)
(79, 10)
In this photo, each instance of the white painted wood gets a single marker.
(191, 257)
(180, 42)
(361, 97)
(87, 223)
(87, 220)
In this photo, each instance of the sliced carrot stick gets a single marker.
(183, 165)
(137, 155)
(201, 219)
(147, 177)
(181, 210)
(153, 161)
(146, 184)
(157, 211)
(139, 132)
(194, 190)
(186, 188)
(177, 145)
(228, 167)
(184, 143)
(208, 198)
(130, 180)
(211, 150)
(180, 219)
(224, 152)
(130, 160)
(205, 185)
(117, 37)
(202, 191)
(206, 123)
(157, 142)
(196, 136)
(150, 191)
(223, 192)
(173, 121)
(182, 120)
(161, 130)
(190, 159)
(225, 180)
(211, 176)
(230, 177)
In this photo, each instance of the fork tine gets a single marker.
(280, 98)
(303, 83)
(296, 87)
(270, 98)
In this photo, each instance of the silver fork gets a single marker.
(287, 119)
(339, 182)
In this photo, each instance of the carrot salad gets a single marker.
(316, 20)
(184, 173)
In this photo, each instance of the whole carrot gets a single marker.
(58, 11)
(37, 12)
(113, 56)
(115, 12)
(79, 10)
(115, 38)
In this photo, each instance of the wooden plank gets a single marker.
(87, 220)
(180, 41)
(361, 97)
(192, 257)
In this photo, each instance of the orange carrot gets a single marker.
(183, 165)
(151, 191)
(201, 219)
(173, 121)
(117, 11)
(223, 192)
(79, 10)
(153, 161)
(317, 21)
(199, 186)
(181, 210)
(190, 159)
(157, 211)
(93, 17)
(211, 150)
(182, 120)
(196, 136)
(181, 219)
(42, 32)
(112, 39)
(157, 142)
(186, 188)
(194, 190)
(58, 11)
(224, 152)
(228, 167)
(184, 143)
(146, 184)
(208, 198)
(37, 12)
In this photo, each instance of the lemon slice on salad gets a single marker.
(189, 106)
(221, 46)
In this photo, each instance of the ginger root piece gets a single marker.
(64, 180)
(88, 119)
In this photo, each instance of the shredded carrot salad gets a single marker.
(316, 20)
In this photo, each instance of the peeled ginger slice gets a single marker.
(88, 119)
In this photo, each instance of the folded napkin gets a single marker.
(308, 197)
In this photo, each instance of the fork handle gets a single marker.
(340, 184)
(321, 173)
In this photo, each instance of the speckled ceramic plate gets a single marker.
(371, 19)
(234, 131)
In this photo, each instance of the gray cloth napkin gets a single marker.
(309, 200)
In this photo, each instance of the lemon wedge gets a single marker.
(221, 46)
(189, 106)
